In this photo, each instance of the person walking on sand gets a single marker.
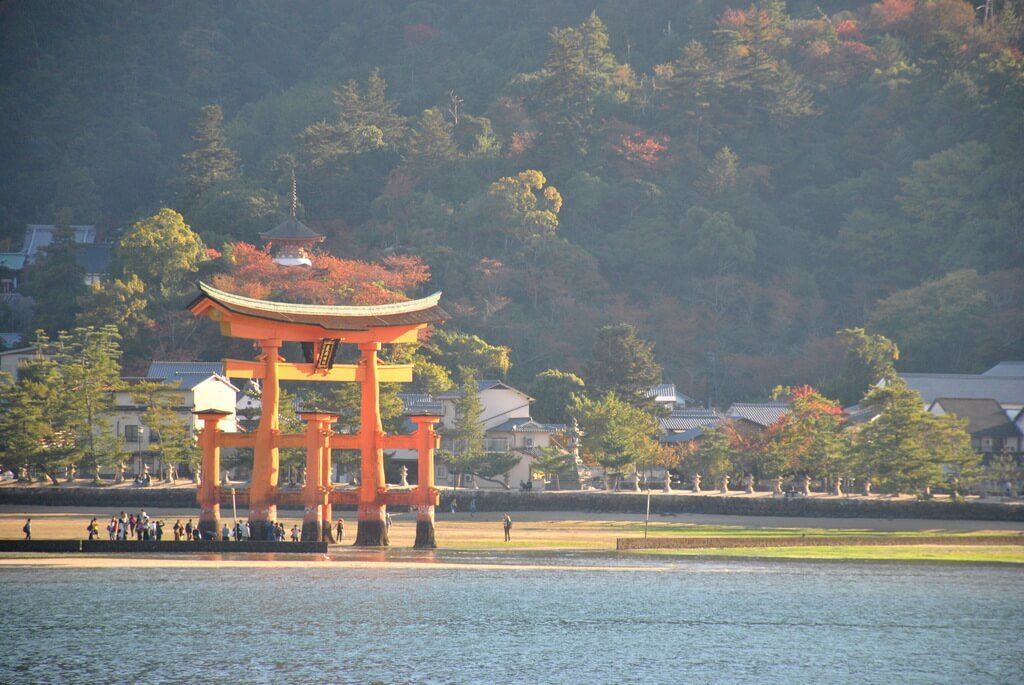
(27, 529)
(340, 530)
(177, 530)
(507, 525)
(188, 530)
(93, 528)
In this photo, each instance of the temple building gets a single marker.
(291, 241)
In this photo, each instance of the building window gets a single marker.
(495, 444)
(131, 433)
(154, 436)
(528, 442)
(986, 444)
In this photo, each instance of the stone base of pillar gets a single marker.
(328, 531)
(311, 531)
(209, 526)
(425, 534)
(372, 533)
(260, 520)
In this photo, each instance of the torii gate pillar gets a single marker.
(372, 512)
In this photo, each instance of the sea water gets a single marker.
(555, 618)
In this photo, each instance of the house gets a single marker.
(666, 395)
(760, 414)
(1006, 369)
(196, 385)
(995, 384)
(505, 416)
(94, 257)
(991, 430)
(686, 420)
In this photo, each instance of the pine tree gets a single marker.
(56, 280)
(622, 363)
(430, 147)
(468, 432)
(210, 160)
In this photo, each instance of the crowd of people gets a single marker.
(143, 527)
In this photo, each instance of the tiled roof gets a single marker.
(488, 384)
(38, 236)
(763, 413)
(188, 374)
(932, 386)
(526, 425)
(858, 414)
(420, 403)
(686, 419)
(1012, 369)
(684, 436)
(15, 261)
(985, 418)
(329, 317)
(292, 229)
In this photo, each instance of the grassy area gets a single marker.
(973, 553)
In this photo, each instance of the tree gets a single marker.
(366, 120)
(169, 432)
(622, 363)
(210, 160)
(430, 146)
(809, 438)
(552, 461)
(523, 208)
(37, 427)
(616, 435)
(553, 392)
(56, 281)
(466, 352)
(714, 455)
(869, 358)
(899, 449)
(467, 433)
(120, 303)
(162, 251)
(88, 363)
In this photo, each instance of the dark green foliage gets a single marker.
(736, 178)
(56, 281)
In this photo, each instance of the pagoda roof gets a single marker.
(330, 317)
(292, 229)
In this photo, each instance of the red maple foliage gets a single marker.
(642, 148)
(252, 272)
(890, 13)
(848, 30)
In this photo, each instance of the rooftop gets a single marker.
(1012, 369)
(761, 413)
(188, 374)
(292, 229)
(1006, 390)
(985, 418)
(330, 317)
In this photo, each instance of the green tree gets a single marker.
(56, 281)
(552, 461)
(121, 303)
(810, 438)
(616, 435)
(869, 358)
(714, 455)
(464, 351)
(553, 391)
(366, 120)
(169, 431)
(522, 208)
(899, 449)
(430, 147)
(210, 160)
(622, 363)
(161, 250)
(467, 433)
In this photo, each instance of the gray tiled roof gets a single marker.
(985, 418)
(38, 236)
(188, 374)
(481, 386)
(684, 436)
(686, 419)
(932, 386)
(761, 413)
(526, 425)
(1012, 369)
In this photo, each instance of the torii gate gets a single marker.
(321, 328)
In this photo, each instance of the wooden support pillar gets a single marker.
(265, 466)
(426, 494)
(326, 510)
(372, 530)
(314, 493)
(209, 489)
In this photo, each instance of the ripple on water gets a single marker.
(697, 621)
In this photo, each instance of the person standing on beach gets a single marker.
(225, 533)
(507, 525)
(93, 528)
(27, 529)
(188, 530)
(340, 530)
(177, 530)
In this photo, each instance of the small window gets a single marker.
(154, 436)
(496, 444)
(131, 433)
(528, 442)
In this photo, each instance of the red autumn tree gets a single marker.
(251, 271)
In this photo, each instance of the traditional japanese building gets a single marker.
(292, 241)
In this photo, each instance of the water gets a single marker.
(678, 621)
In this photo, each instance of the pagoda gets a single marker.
(291, 241)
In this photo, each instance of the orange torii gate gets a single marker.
(321, 328)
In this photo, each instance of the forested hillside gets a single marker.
(737, 181)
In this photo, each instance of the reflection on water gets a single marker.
(694, 621)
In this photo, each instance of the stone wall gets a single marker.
(594, 501)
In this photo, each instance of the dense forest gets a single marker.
(738, 182)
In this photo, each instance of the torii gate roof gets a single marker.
(409, 314)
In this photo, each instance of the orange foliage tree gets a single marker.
(251, 271)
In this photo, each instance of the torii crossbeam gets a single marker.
(321, 328)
